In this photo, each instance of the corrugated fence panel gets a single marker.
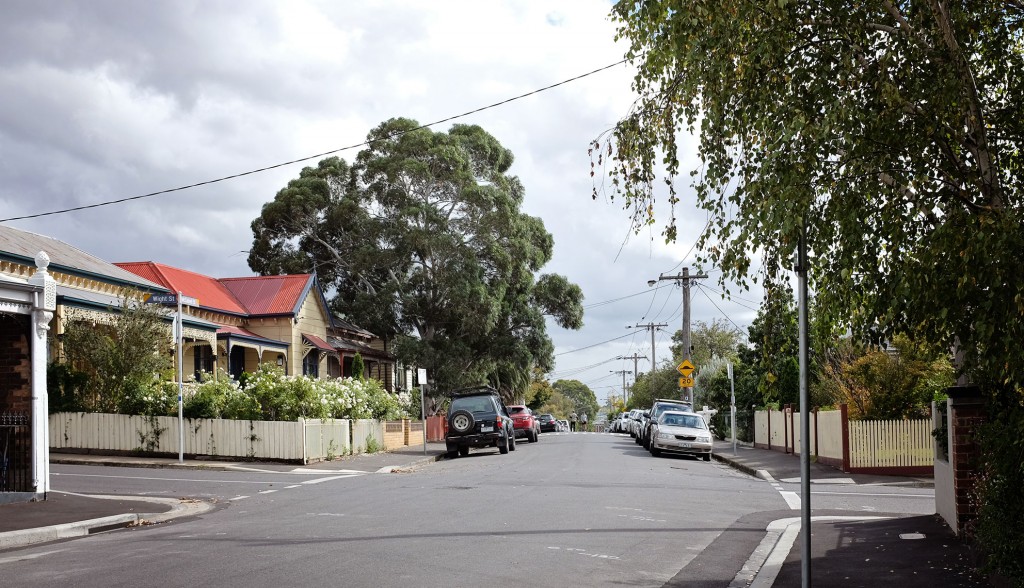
(830, 434)
(778, 428)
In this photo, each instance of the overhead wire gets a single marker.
(309, 157)
(594, 345)
(740, 329)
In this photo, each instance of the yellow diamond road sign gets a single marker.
(686, 368)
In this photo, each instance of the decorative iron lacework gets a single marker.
(14, 419)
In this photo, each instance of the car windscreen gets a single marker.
(473, 404)
(683, 420)
(518, 410)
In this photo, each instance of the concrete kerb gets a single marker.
(739, 466)
(179, 508)
(401, 468)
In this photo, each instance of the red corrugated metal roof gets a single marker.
(232, 330)
(210, 292)
(319, 343)
(269, 294)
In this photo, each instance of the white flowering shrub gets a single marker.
(220, 398)
(291, 397)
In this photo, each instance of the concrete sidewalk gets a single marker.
(849, 549)
(65, 515)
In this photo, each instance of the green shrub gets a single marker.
(998, 493)
(66, 388)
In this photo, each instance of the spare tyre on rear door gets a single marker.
(478, 418)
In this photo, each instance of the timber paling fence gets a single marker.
(304, 440)
(903, 447)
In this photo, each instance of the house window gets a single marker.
(203, 357)
(311, 364)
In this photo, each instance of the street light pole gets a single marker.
(684, 279)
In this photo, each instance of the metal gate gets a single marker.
(15, 452)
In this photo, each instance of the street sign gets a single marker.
(171, 299)
(686, 382)
(686, 368)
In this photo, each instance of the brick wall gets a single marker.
(968, 415)
(15, 364)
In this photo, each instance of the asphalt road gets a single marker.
(573, 509)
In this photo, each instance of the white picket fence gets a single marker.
(894, 446)
(303, 440)
(891, 444)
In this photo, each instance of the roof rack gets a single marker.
(474, 390)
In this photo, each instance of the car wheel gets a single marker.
(461, 421)
(655, 451)
(707, 457)
(503, 445)
(464, 450)
(512, 443)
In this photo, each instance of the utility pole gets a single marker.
(650, 327)
(634, 357)
(684, 279)
(623, 372)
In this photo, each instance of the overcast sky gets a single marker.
(105, 100)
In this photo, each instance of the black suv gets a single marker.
(660, 405)
(478, 418)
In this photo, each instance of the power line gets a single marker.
(731, 297)
(594, 345)
(309, 157)
(613, 300)
(740, 329)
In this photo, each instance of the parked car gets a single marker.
(657, 408)
(681, 432)
(478, 418)
(563, 426)
(524, 423)
(548, 423)
(639, 424)
(632, 418)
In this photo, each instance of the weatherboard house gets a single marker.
(283, 320)
(42, 281)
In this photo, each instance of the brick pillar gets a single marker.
(967, 414)
(15, 363)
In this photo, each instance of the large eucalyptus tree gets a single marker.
(422, 240)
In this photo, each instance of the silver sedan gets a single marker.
(681, 432)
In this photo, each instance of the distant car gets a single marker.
(638, 426)
(524, 423)
(681, 432)
(478, 418)
(548, 423)
(657, 408)
(563, 425)
(631, 420)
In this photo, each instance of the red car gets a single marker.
(524, 423)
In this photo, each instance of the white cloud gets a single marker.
(111, 99)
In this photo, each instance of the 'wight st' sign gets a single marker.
(171, 299)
